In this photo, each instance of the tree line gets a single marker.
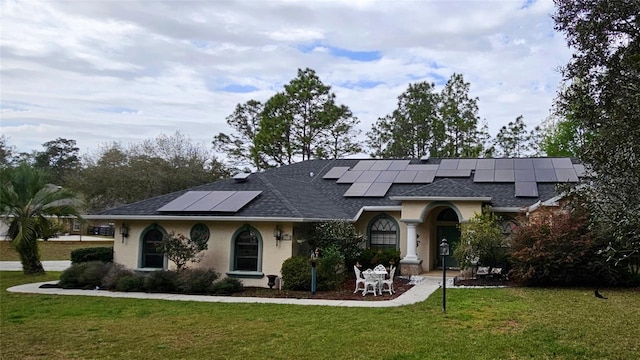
(301, 122)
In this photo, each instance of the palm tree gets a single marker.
(28, 204)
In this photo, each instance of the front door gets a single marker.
(452, 234)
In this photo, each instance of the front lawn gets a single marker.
(480, 324)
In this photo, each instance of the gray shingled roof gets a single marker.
(299, 191)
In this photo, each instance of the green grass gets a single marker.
(513, 323)
(51, 250)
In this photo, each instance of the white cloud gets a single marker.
(167, 63)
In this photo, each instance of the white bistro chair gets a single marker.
(359, 280)
(370, 282)
(388, 282)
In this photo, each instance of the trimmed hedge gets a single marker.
(104, 254)
(111, 276)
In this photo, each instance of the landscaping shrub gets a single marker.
(182, 250)
(331, 270)
(116, 271)
(104, 254)
(296, 273)
(342, 235)
(131, 283)
(482, 241)
(227, 286)
(162, 281)
(196, 281)
(86, 275)
(372, 257)
(555, 247)
(330, 275)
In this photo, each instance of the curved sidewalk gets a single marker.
(419, 292)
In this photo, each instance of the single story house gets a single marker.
(254, 222)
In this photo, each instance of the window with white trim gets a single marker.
(383, 233)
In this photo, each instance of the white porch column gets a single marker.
(412, 241)
(411, 264)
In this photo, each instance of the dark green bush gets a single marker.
(372, 257)
(130, 283)
(117, 271)
(330, 275)
(87, 275)
(162, 281)
(296, 273)
(196, 281)
(227, 286)
(331, 271)
(104, 254)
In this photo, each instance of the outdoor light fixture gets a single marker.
(124, 231)
(277, 233)
(444, 252)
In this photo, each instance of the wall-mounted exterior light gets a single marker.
(124, 231)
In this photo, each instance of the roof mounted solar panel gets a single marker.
(210, 201)
(504, 164)
(449, 164)
(567, 175)
(486, 164)
(525, 175)
(364, 165)
(367, 176)
(546, 175)
(357, 190)
(387, 176)
(523, 164)
(422, 167)
(526, 189)
(381, 165)
(483, 175)
(542, 163)
(336, 172)
(406, 177)
(504, 175)
(183, 201)
(377, 190)
(562, 163)
(236, 201)
(467, 164)
(424, 177)
(399, 165)
(580, 169)
(453, 173)
(349, 177)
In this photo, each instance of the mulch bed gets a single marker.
(344, 293)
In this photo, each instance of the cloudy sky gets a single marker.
(102, 71)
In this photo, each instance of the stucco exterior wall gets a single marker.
(218, 254)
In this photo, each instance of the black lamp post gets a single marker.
(444, 252)
(314, 260)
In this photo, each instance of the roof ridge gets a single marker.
(279, 195)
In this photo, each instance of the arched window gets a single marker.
(383, 233)
(247, 250)
(151, 256)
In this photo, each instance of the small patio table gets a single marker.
(381, 274)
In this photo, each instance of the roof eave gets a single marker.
(440, 198)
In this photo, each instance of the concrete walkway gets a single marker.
(424, 286)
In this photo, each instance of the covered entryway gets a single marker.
(447, 227)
